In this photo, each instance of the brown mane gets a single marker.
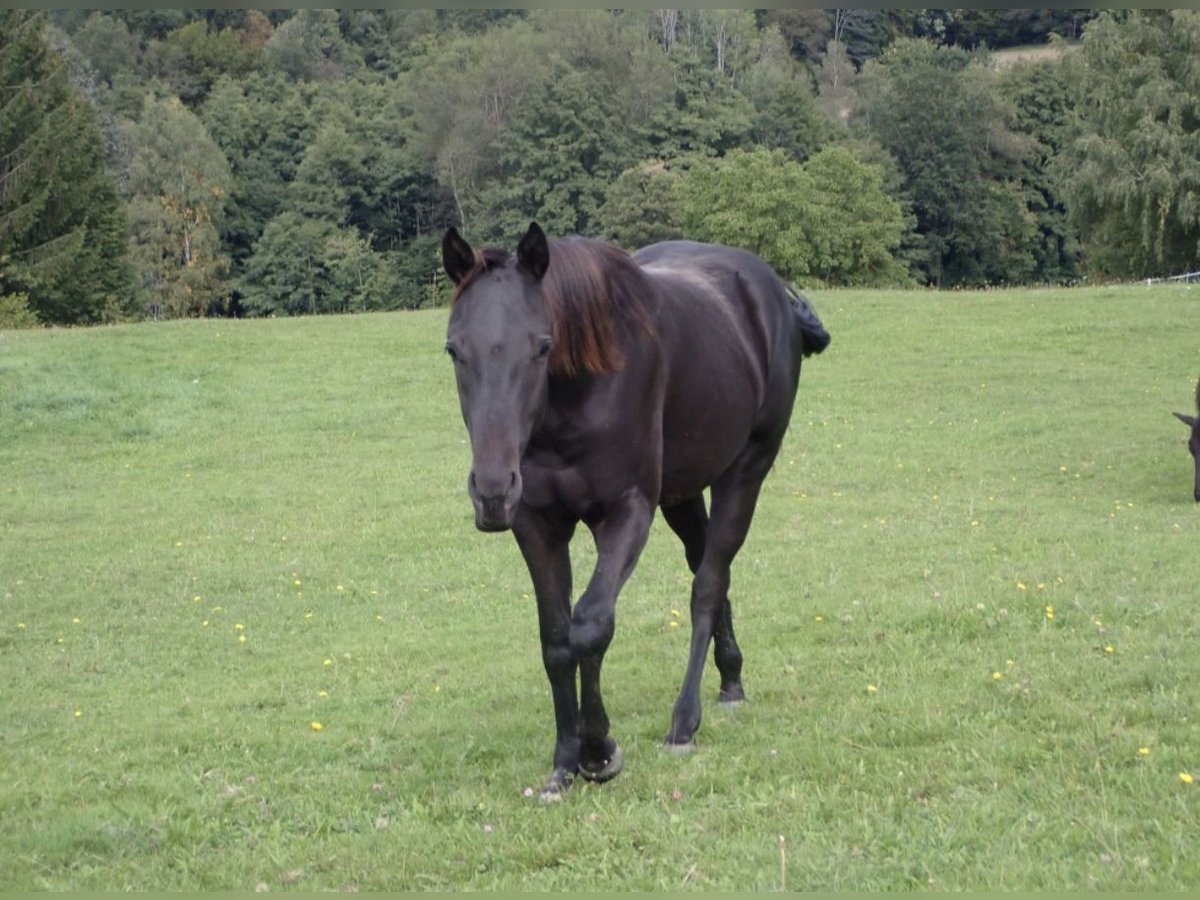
(590, 288)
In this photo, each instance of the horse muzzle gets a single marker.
(495, 497)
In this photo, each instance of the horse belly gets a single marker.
(704, 430)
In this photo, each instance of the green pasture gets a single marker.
(250, 639)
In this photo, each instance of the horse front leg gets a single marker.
(620, 537)
(545, 545)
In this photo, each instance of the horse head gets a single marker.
(1193, 423)
(499, 338)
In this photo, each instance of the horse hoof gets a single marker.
(610, 770)
(731, 697)
(556, 785)
(679, 749)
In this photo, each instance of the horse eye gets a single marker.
(451, 352)
(544, 347)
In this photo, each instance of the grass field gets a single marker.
(250, 638)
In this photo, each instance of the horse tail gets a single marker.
(813, 336)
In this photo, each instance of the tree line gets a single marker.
(174, 163)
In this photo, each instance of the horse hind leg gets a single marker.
(689, 520)
(734, 496)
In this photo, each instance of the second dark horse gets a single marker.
(596, 387)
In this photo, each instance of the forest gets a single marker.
(182, 163)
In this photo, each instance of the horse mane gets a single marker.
(590, 288)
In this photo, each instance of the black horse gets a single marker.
(1193, 422)
(597, 386)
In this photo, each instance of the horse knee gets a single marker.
(590, 635)
(557, 658)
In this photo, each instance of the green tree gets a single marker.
(106, 42)
(178, 185)
(288, 273)
(827, 220)
(190, 59)
(937, 110)
(640, 207)
(309, 46)
(782, 92)
(1132, 173)
(1040, 93)
(262, 125)
(854, 228)
(62, 230)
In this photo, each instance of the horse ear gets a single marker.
(1189, 421)
(457, 256)
(533, 252)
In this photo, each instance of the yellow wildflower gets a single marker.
(1143, 751)
(316, 726)
(1186, 777)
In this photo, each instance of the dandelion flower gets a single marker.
(339, 588)
(1108, 648)
(328, 663)
(675, 613)
(1021, 586)
(322, 693)
(79, 715)
(1186, 777)
(818, 619)
(20, 626)
(240, 627)
(871, 689)
(316, 726)
(75, 621)
(241, 639)
(1049, 612)
(1143, 751)
(673, 624)
(997, 676)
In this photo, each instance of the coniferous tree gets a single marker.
(63, 236)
